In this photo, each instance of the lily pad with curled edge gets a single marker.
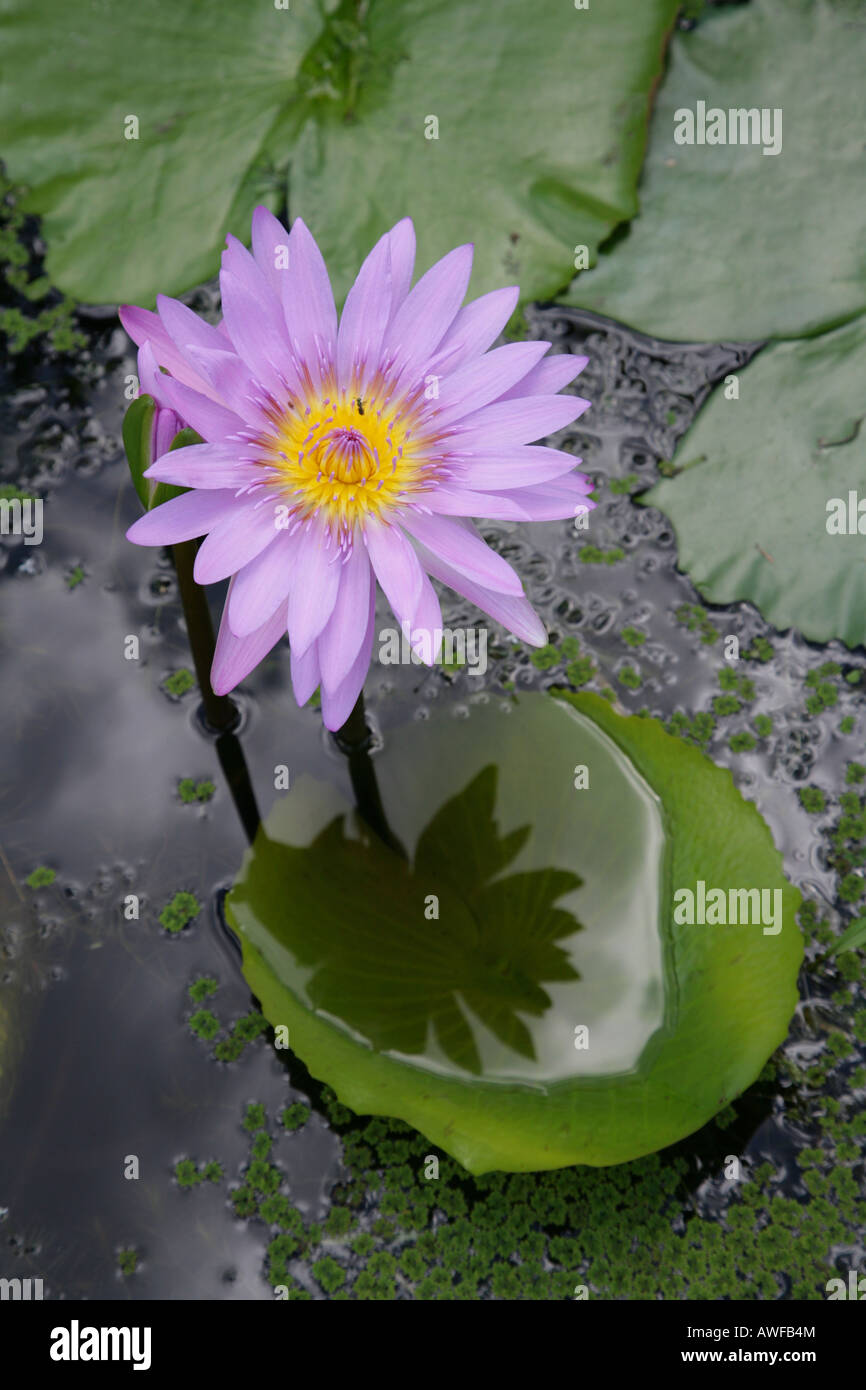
(518, 989)
(770, 502)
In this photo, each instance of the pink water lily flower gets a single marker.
(342, 453)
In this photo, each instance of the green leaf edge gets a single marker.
(847, 626)
(136, 432)
(850, 940)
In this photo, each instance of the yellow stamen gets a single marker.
(348, 457)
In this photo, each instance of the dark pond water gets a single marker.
(98, 1061)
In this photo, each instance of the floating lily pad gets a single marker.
(127, 217)
(763, 478)
(543, 110)
(732, 243)
(541, 123)
(519, 989)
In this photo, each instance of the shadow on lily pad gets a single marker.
(391, 957)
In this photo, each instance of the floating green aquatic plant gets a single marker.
(127, 1261)
(191, 791)
(180, 911)
(180, 682)
(41, 877)
(401, 1226)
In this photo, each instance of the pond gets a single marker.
(159, 1141)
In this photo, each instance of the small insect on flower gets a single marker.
(326, 465)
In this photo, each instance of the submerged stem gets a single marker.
(220, 711)
(354, 740)
(237, 775)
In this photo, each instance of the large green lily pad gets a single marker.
(553, 914)
(542, 127)
(764, 477)
(732, 243)
(542, 117)
(126, 218)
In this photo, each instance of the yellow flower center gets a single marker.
(348, 457)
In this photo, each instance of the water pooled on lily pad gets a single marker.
(519, 940)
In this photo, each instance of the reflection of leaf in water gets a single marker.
(353, 912)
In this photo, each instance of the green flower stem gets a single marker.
(237, 775)
(354, 739)
(220, 711)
